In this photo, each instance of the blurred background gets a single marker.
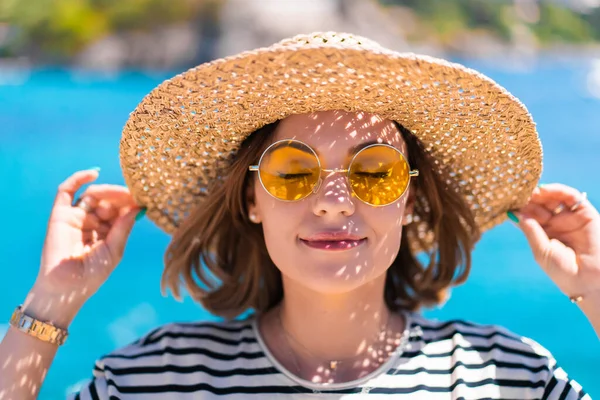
(72, 70)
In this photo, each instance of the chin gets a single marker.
(334, 277)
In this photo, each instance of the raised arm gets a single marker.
(84, 243)
(563, 230)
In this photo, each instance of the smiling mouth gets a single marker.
(334, 245)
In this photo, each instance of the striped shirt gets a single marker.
(435, 360)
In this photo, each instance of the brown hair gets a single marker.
(220, 257)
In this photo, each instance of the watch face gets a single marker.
(25, 322)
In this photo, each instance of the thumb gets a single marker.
(119, 233)
(536, 236)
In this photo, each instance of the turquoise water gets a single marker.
(59, 121)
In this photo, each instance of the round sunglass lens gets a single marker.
(289, 170)
(379, 175)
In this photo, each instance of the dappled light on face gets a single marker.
(384, 247)
(341, 271)
(341, 126)
(333, 197)
(360, 272)
(352, 178)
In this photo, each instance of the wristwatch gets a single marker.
(42, 330)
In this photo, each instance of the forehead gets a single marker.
(327, 131)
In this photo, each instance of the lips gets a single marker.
(333, 241)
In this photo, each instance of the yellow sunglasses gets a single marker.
(290, 170)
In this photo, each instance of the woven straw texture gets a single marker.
(179, 137)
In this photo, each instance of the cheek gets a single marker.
(280, 228)
(280, 221)
(386, 223)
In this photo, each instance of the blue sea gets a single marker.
(55, 122)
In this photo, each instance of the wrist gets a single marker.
(590, 305)
(58, 310)
(590, 298)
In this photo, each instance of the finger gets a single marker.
(90, 222)
(106, 211)
(89, 201)
(536, 236)
(555, 207)
(554, 225)
(119, 233)
(102, 211)
(82, 219)
(100, 232)
(553, 194)
(89, 237)
(101, 229)
(68, 188)
(536, 211)
(552, 205)
(86, 220)
(118, 196)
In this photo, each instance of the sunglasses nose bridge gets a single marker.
(331, 172)
(335, 170)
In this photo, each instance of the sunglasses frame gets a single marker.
(256, 168)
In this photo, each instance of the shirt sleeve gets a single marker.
(561, 387)
(95, 390)
(97, 387)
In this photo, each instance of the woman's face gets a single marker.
(292, 229)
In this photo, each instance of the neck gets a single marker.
(334, 327)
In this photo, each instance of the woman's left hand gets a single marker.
(566, 244)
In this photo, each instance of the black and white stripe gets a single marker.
(450, 360)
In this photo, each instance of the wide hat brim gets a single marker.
(175, 143)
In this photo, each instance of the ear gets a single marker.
(409, 208)
(253, 214)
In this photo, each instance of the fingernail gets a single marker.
(512, 217)
(94, 169)
(140, 214)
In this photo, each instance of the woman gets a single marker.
(334, 188)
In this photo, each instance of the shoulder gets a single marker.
(224, 332)
(485, 351)
(174, 342)
(468, 335)
(486, 358)
(179, 357)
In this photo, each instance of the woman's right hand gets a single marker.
(81, 248)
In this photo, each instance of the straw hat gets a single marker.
(176, 141)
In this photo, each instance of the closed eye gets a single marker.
(295, 176)
(381, 174)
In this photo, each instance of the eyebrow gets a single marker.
(355, 149)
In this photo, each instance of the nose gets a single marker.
(333, 196)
